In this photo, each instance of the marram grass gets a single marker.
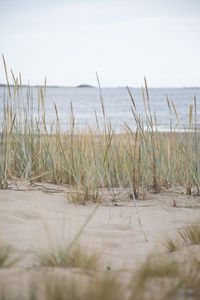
(94, 158)
(156, 278)
(6, 256)
(191, 234)
(62, 257)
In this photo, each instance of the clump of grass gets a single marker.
(188, 284)
(155, 267)
(72, 255)
(188, 235)
(97, 287)
(106, 287)
(162, 278)
(174, 204)
(62, 290)
(6, 256)
(85, 195)
(157, 278)
(191, 234)
(171, 245)
(63, 257)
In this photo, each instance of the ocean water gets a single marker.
(117, 102)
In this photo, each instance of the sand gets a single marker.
(32, 217)
(123, 233)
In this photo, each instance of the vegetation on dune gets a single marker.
(171, 244)
(104, 286)
(62, 257)
(89, 160)
(93, 158)
(156, 278)
(164, 278)
(69, 255)
(84, 195)
(6, 256)
(191, 234)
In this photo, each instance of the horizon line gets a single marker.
(83, 86)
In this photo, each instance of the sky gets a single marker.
(68, 41)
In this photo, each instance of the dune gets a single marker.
(123, 233)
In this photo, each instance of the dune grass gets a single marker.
(6, 256)
(89, 159)
(104, 286)
(171, 244)
(191, 234)
(63, 257)
(87, 194)
(165, 278)
(155, 267)
(161, 278)
(69, 254)
(60, 287)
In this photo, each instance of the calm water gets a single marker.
(117, 104)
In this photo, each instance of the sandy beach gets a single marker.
(123, 233)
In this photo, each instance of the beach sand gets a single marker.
(123, 233)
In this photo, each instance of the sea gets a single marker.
(87, 105)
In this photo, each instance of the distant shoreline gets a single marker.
(95, 87)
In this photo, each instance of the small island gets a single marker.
(85, 86)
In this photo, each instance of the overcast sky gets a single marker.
(124, 40)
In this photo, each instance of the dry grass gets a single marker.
(68, 258)
(85, 195)
(6, 256)
(157, 267)
(91, 159)
(159, 277)
(171, 245)
(32, 150)
(70, 255)
(191, 234)
(58, 286)
(163, 278)
(100, 287)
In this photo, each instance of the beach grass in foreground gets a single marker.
(157, 278)
(93, 158)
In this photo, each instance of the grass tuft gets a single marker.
(6, 256)
(155, 267)
(191, 234)
(85, 195)
(104, 287)
(63, 257)
(171, 245)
